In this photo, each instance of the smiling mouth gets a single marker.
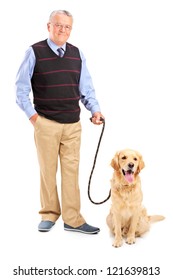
(129, 175)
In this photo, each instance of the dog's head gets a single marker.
(128, 163)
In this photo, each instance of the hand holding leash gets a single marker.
(97, 118)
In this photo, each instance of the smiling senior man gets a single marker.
(56, 72)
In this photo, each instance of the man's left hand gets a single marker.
(97, 118)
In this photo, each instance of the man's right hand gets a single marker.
(33, 119)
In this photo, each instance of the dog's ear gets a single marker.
(115, 162)
(141, 163)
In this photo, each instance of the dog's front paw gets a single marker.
(125, 231)
(130, 240)
(118, 242)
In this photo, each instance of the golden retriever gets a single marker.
(127, 217)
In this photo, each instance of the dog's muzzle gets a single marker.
(129, 173)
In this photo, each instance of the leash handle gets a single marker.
(94, 163)
(101, 119)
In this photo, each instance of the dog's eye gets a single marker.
(135, 159)
(124, 157)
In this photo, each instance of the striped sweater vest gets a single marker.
(55, 83)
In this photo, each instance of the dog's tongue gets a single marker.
(129, 177)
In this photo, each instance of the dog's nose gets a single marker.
(131, 165)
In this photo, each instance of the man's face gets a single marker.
(59, 29)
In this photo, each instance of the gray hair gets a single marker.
(60, 12)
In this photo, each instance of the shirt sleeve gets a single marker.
(86, 89)
(23, 83)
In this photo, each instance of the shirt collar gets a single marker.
(54, 47)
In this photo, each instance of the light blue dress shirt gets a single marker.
(23, 83)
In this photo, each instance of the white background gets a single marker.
(128, 46)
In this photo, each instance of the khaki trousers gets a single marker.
(55, 140)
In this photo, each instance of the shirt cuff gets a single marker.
(30, 112)
(95, 109)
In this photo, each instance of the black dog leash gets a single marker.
(94, 163)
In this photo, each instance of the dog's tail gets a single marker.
(156, 218)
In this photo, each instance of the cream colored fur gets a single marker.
(128, 218)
